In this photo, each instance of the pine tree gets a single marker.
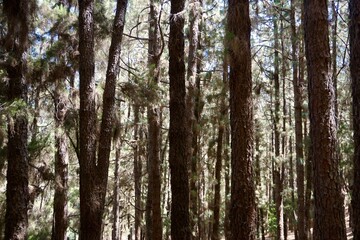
(329, 202)
(242, 206)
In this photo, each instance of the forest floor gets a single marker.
(291, 235)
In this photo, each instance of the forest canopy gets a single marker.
(175, 119)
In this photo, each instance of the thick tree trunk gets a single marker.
(60, 221)
(329, 201)
(17, 192)
(154, 127)
(180, 217)
(94, 170)
(242, 206)
(354, 29)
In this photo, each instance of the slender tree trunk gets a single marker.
(242, 206)
(60, 221)
(227, 180)
(94, 170)
(354, 29)
(180, 217)
(284, 139)
(154, 126)
(193, 108)
(137, 181)
(17, 193)
(278, 177)
(329, 201)
(309, 189)
(299, 149)
(218, 165)
(116, 204)
(334, 58)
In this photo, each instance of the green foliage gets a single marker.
(272, 222)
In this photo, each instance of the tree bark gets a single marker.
(137, 181)
(94, 170)
(154, 125)
(218, 165)
(60, 220)
(17, 192)
(329, 201)
(299, 149)
(242, 206)
(180, 217)
(115, 233)
(194, 109)
(354, 30)
(278, 164)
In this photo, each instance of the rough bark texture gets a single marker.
(299, 149)
(242, 206)
(17, 193)
(180, 218)
(193, 110)
(329, 205)
(94, 170)
(60, 221)
(355, 78)
(154, 125)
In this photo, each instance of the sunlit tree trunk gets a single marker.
(94, 170)
(329, 202)
(193, 109)
(242, 206)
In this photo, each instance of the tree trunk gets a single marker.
(17, 192)
(217, 198)
(94, 170)
(329, 201)
(60, 221)
(242, 206)
(354, 29)
(334, 60)
(278, 164)
(137, 181)
(180, 217)
(227, 231)
(299, 149)
(194, 108)
(154, 126)
(116, 204)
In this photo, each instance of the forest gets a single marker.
(180, 120)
